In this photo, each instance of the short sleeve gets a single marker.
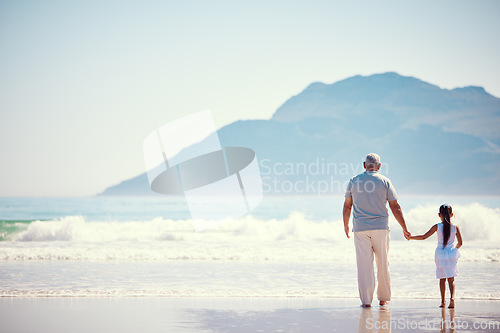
(391, 192)
(348, 193)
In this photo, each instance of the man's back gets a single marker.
(370, 192)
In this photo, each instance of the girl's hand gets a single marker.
(407, 234)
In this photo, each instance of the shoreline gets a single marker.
(240, 314)
(220, 280)
(229, 297)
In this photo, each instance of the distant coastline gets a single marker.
(419, 130)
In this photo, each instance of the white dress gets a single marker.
(446, 258)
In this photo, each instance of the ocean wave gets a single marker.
(77, 229)
(477, 223)
(296, 237)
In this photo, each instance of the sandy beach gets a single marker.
(164, 314)
(273, 272)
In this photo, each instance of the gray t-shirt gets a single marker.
(370, 192)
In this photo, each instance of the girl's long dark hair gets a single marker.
(445, 211)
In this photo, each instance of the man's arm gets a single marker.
(346, 213)
(398, 214)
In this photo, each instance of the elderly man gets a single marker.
(369, 193)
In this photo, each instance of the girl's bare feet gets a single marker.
(452, 304)
(443, 304)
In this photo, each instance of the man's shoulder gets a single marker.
(358, 176)
(366, 176)
(378, 178)
(382, 177)
(371, 174)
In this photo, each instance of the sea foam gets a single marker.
(477, 223)
(296, 237)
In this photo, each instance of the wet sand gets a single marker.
(164, 314)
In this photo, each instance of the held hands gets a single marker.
(407, 234)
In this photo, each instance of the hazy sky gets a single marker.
(82, 83)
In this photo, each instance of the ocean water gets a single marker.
(289, 246)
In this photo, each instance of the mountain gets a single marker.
(431, 140)
(410, 102)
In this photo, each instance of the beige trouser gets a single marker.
(367, 244)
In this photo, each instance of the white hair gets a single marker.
(372, 159)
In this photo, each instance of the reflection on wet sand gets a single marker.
(344, 316)
(450, 324)
(369, 324)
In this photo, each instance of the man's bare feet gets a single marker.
(452, 304)
(366, 305)
(443, 304)
(382, 303)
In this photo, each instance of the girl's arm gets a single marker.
(429, 233)
(459, 238)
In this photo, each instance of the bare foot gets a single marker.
(366, 305)
(452, 304)
(443, 304)
(382, 303)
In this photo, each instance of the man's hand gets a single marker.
(407, 234)
(346, 214)
(346, 229)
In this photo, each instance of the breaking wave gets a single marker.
(296, 237)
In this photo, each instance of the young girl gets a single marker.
(446, 255)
